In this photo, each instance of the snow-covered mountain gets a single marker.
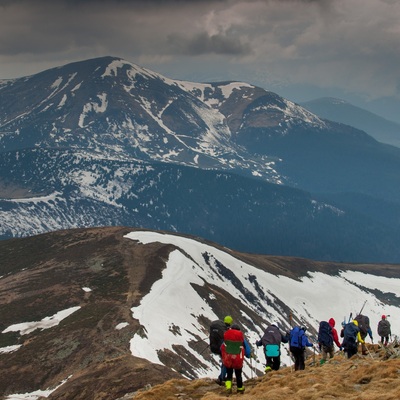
(109, 311)
(106, 142)
(118, 110)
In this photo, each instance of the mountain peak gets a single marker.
(105, 134)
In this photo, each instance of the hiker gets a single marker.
(298, 343)
(234, 349)
(384, 330)
(271, 342)
(365, 329)
(335, 335)
(217, 330)
(351, 337)
(327, 338)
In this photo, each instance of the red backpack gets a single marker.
(233, 349)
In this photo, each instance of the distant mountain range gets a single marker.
(103, 313)
(105, 142)
(344, 112)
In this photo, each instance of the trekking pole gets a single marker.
(362, 308)
(314, 354)
(200, 340)
(369, 352)
(250, 364)
(205, 348)
(350, 317)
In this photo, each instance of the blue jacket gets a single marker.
(304, 340)
(298, 338)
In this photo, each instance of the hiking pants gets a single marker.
(351, 350)
(363, 346)
(325, 350)
(299, 358)
(222, 374)
(385, 340)
(273, 362)
(238, 374)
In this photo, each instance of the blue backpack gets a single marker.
(325, 334)
(350, 333)
(296, 336)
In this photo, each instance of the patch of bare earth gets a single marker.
(46, 274)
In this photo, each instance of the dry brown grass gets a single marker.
(361, 378)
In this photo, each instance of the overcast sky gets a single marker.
(300, 49)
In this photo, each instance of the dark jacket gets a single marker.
(272, 335)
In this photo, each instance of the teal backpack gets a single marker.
(272, 350)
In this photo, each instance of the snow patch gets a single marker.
(48, 322)
(37, 394)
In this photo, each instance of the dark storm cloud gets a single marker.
(354, 44)
(203, 43)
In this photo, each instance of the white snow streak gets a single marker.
(48, 322)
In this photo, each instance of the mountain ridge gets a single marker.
(339, 110)
(119, 340)
(99, 134)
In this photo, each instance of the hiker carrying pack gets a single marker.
(233, 351)
(351, 337)
(363, 324)
(298, 342)
(271, 342)
(217, 331)
(325, 341)
(384, 330)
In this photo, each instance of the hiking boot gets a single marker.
(219, 381)
(267, 369)
(228, 386)
(240, 390)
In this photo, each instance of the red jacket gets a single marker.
(334, 332)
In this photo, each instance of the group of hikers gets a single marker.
(228, 341)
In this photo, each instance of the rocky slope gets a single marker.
(98, 313)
